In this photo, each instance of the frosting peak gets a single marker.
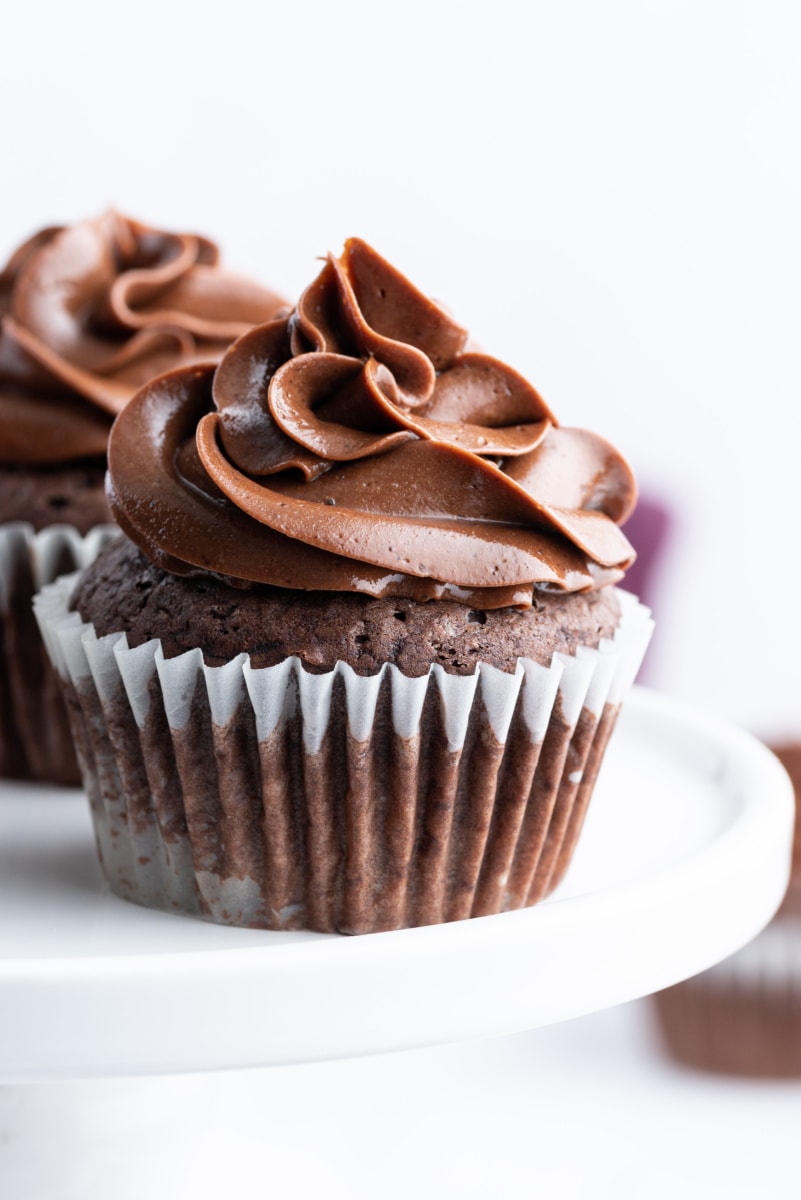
(92, 312)
(358, 444)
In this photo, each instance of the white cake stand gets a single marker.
(685, 857)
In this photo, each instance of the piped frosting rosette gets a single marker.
(358, 445)
(91, 312)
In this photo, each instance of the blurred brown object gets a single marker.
(789, 754)
(648, 530)
(743, 1016)
(732, 1026)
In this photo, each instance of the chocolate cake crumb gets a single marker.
(70, 494)
(322, 627)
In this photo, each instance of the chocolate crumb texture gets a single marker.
(322, 628)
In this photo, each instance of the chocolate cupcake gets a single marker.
(743, 1016)
(89, 313)
(789, 755)
(356, 662)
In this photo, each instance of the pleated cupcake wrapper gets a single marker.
(278, 798)
(35, 739)
(742, 1016)
(791, 904)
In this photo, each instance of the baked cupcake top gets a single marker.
(360, 444)
(91, 312)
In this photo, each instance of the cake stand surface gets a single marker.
(684, 858)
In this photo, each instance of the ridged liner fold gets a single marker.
(742, 1016)
(35, 738)
(277, 798)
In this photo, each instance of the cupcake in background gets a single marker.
(789, 755)
(355, 663)
(88, 314)
(743, 1016)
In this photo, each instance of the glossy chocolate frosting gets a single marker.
(358, 444)
(91, 312)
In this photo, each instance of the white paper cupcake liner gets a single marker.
(278, 798)
(35, 740)
(742, 1016)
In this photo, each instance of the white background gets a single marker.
(587, 1110)
(607, 194)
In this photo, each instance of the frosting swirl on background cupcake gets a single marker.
(359, 444)
(92, 312)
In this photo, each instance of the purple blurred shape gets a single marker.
(648, 530)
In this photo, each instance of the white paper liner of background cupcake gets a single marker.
(35, 740)
(282, 799)
(743, 1016)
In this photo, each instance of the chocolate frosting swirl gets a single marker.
(359, 445)
(91, 312)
